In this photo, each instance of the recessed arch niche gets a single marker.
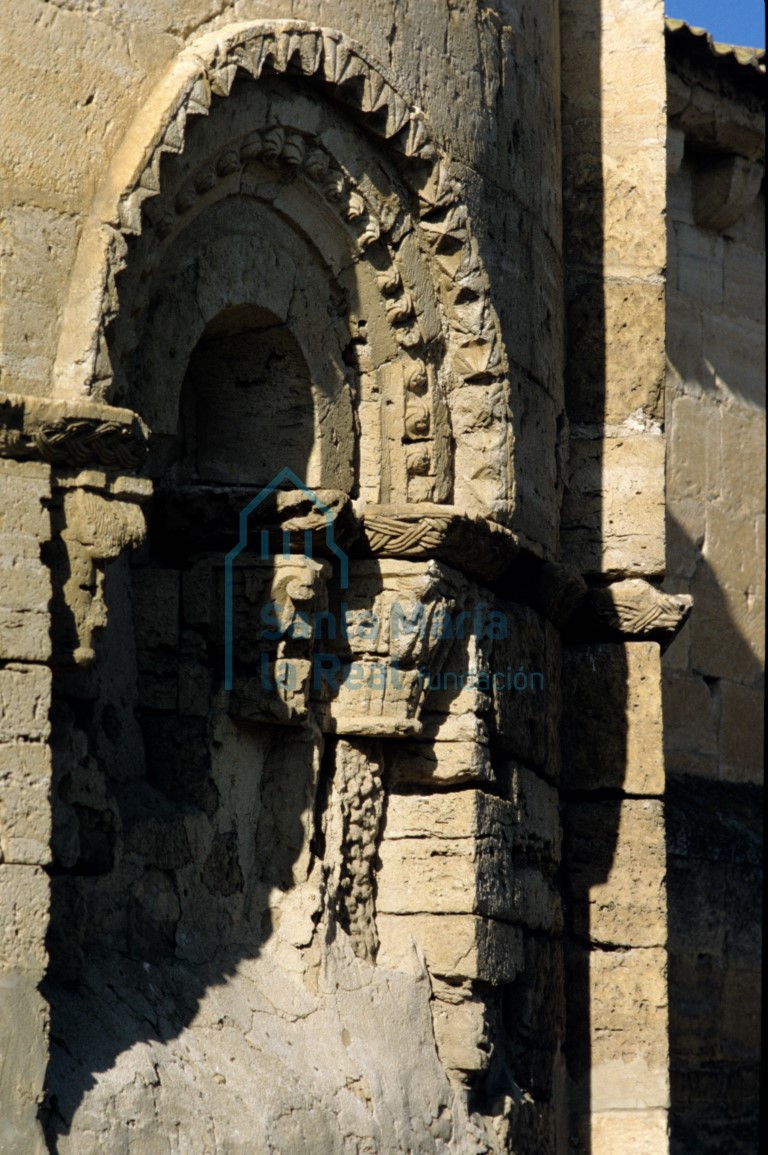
(236, 347)
(247, 405)
(279, 263)
(258, 228)
(328, 144)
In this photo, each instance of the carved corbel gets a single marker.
(632, 608)
(275, 605)
(723, 190)
(104, 526)
(96, 529)
(635, 608)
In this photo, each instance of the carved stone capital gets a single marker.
(355, 659)
(275, 602)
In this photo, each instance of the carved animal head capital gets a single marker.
(104, 526)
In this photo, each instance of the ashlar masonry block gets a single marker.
(25, 695)
(438, 763)
(460, 1026)
(453, 854)
(641, 1132)
(616, 871)
(613, 512)
(612, 718)
(25, 813)
(455, 946)
(24, 900)
(26, 485)
(23, 1060)
(25, 593)
(614, 381)
(629, 1048)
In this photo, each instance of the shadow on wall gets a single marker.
(714, 870)
(594, 676)
(713, 684)
(189, 842)
(174, 826)
(200, 872)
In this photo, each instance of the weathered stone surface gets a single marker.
(24, 894)
(465, 814)
(454, 946)
(626, 1023)
(613, 512)
(736, 613)
(254, 1025)
(647, 1131)
(612, 718)
(461, 1029)
(691, 711)
(525, 699)
(713, 681)
(615, 190)
(715, 882)
(25, 592)
(25, 696)
(537, 814)
(621, 378)
(25, 818)
(741, 733)
(23, 1058)
(358, 253)
(26, 485)
(615, 865)
(440, 763)
(693, 463)
(454, 853)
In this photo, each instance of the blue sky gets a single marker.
(732, 21)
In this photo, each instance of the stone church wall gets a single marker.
(332, 340)
(213, 881)
(714, 670)
(614, 128)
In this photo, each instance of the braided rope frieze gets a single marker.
(77, 442)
